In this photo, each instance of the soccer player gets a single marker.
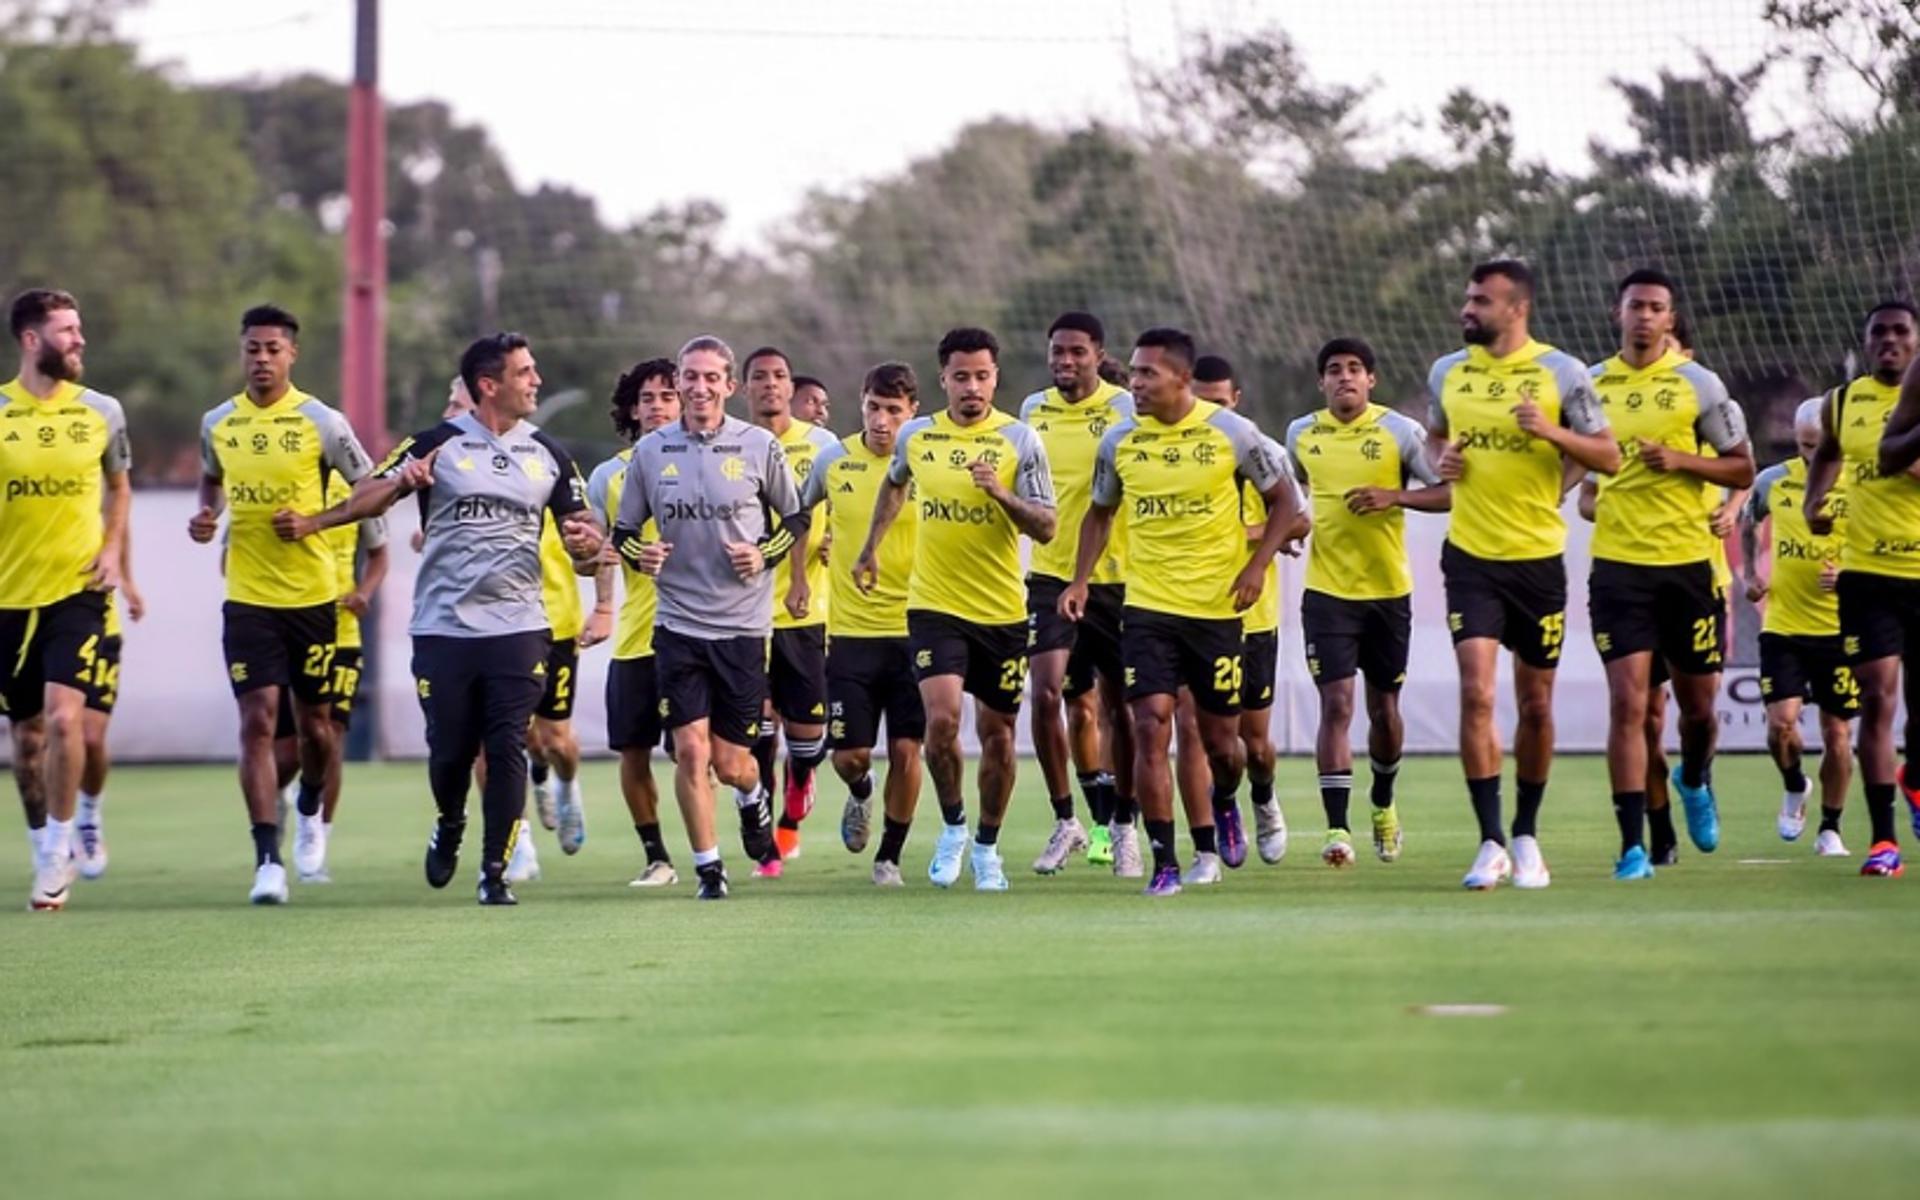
(797, 667)
(1178, 464)
(484, 480)
(1358, 458)
(268, 456)
(1652, 589)
(64, 459)
(810, 400)
(1506, 412)
(713, 484)
(869, 660)
(980, 481)
(1870, 430)
(1068, 659)
(1801, 657)
(103, 690)
(645, 399)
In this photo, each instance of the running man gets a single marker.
(1178, 464)
(1358, 458)
(810, 401)
(1801, 656)
(980, 481)
(869, 659)
(1507, 414)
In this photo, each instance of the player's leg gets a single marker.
(1836, 775)
(89, 823)
(558, 746)
(1477, 619)
(1784, 746)
(902, 797)
(1212, 668)
(1627, 685)
(446, 682)
(1192, 777)
(1873, 640)
(1051, 746)
(511, 683)
(1118, 723)
(1153, 720)
(344, 691)
(942, 696)
(1260, 667)
(1663, 842)
(799, 691)
(308, 638)
(996, 677)
(643, 806)
(1533, 763)
(1333, 758)
(1690, 611)
(736, 673)
(1383, 653)
(633, 730)
(30, 778)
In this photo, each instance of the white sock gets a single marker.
(710, 855)
(89, 809)
(57, 840)
(37, 838)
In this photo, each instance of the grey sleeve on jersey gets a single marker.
(1032, 475)
(777, 488)
(1721, 423)
(209, 461)
(814, 490)
(1295, 428)
(1412, 440)
(1436, 379)
(1106, 477)
(117, 456)
(373, 533)
(634, 509)
(339, 448)
(599, 484)
(900, 470)
(1258, 459)
(1760, 499)
(1580, 408)
(1033, 401)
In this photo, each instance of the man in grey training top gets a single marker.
(712, 484)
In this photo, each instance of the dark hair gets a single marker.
(1511, 269)
(487, 358)
(1682, 330)
(1079, 322)
(1211, 368)
(1113, 370)
(1177, 342)
(746, 366)
(800, 381)
(1648, 277)
(626, 393)
(894, 380)
(270, 316)
(1343, 345)
(1904, 306)
(968, 340)
(32, 307)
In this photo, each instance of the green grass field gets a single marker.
(1730, 1029)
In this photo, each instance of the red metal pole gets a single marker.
(363, 349)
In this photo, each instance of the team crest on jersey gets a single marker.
(731, 468)
(290, 441)
(534, 468)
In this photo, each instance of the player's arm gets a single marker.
(1722, 425)
(1263, 464)
(887, 503)
(787, 522)
(1752, 514)
(1900, 442)
(1029, 502)
(1434, 494)
(340, 452)
(372, 537)
(643, 556)
(572, 516)
(211, 494)
(1589, 502)
(1582, 433)
(1096, 528)
(1824, 471)
(136, 603)
(813, 492)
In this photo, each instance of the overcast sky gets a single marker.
(752, 102)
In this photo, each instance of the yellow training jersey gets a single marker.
(1180, 484)
(967, 556)
(1358, 556)
(804, 442)
(54, 454)
(847, 480)
(350, 543)
(1506, 506)
(559, 584)
(1264, 616)
(1796, 603)
(633, 626)
(1883, 524)
(1642, 516)
(279, 456)
(1071, 434)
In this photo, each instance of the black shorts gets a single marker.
(280, 647)
(1348, 637)
(1166, 653)
(722, 681)
(103, 680)
(55, 643)
(1673, 612)
(867, 678)
(473, 690)
(562, 673)
(1260, 668)
(991, 660)
(633, 703)
(346, 684)
(797, 674)
(1522, 605)
(1093, 642)
(1808, 668)
(1879, 616)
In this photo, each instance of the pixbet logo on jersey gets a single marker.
(46, 487)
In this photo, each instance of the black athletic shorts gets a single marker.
(633, 703)
(1260, 669)
(1093, 643)
(722, 681)
(1808, 668)
(346, 684)
(1879, 616)
(103, 680)
(1674, 612)
(1366, 637)
(1166, 653)
(868, 678)
(55, 643)
(280, 647)
(1522, 604)
(797, 674)
(991, 660)
(473, 689)
(562, 675)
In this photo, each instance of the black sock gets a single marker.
(1694, 774)
(1335, 790)
(1160, 838)
(1099, 800)
(538, 771)
(1830, 819)
(266, 843)
(1226, 799)
(1260, 791)
(1125, 808)
(956, 815)
(985, 834)
(1063, 808)
(1526, 807)
(763, 746)
(1630, 810)
(1660, 825)
(804, 756)
(1203, 842)
(1381, 790)
(309, 799)
(893, 838)
(1880, 812)
(1485, 794)
(862, 788)
(1793, 778)
(786, 822)
(654, 845)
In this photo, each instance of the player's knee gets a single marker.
(1536, 709)
(1383, 708)
(1336, 706)
(850, 765)
(943, 729)
(996, 736)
